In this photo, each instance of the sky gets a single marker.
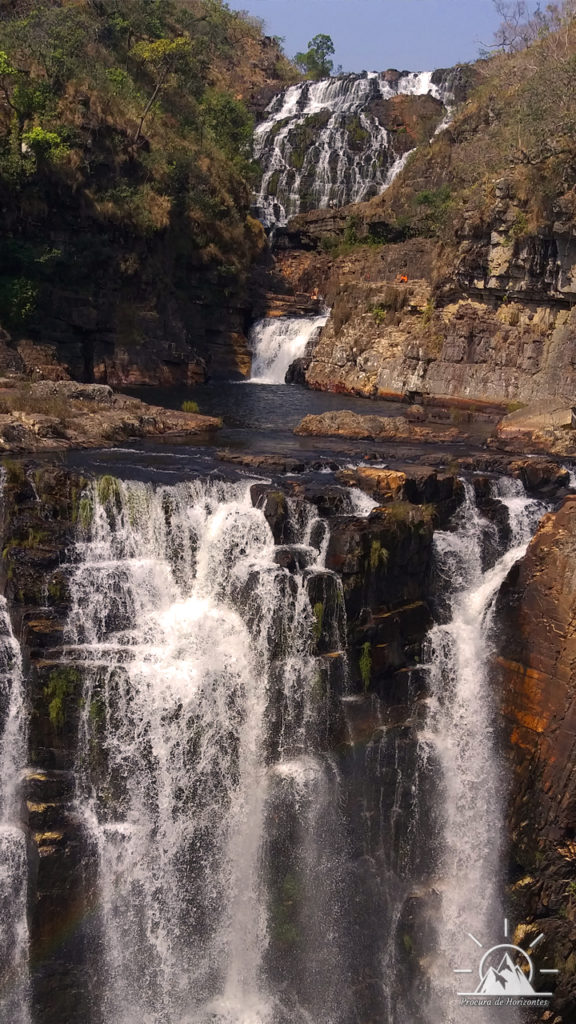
(373, 35)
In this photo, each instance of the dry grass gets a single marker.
(21, 399)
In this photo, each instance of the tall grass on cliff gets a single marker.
(123, 125)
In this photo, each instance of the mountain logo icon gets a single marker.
(506, 970)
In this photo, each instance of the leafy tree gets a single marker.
(163, 59)
(44, 145)
(316, 62)
(228, 121)
(54, 38)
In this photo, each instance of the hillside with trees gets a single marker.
(125, 178)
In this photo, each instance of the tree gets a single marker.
(162, 58)
(316, 61)
(522, 23)
(229, 122)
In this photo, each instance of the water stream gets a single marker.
(277, 341)
(257, 863)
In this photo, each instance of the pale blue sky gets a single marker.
(372, 35)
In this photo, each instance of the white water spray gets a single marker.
(187, 633)
(14, 937)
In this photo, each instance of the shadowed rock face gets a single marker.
(536, 666)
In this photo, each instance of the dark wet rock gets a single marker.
(295, 557)
(535, 668)
(268, 463)
(296, 372)
(274, 505)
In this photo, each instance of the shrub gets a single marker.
(62, 683)
(18, 300)
(190, 406)
(365, 665)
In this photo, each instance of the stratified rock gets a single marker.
(72, 389)
(544, 426)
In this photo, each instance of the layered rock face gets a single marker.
(536, 657)
(502, 336)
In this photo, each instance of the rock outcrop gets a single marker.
(352, 424)
(52, 415)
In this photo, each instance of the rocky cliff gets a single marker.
(536, 613)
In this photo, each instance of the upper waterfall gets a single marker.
(343, 139)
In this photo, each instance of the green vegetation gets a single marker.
(61, 688)
(365, 665)
(302, 137)
(15, 472)
(428, 313)
(190, 406)
(85, 511)
(124, 121)
(405, 513)
(378, 555)
(316, 62)
(318, 619)
(284, 912)
(108, 490)
(33, 539)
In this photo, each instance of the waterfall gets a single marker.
(277, 341)
(323, 143)
(14, 939)
(460, 735)
(201, 777)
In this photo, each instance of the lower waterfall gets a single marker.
(14, 938)
(277, 341)
(252, 851)
(461, 736)
(201, 777)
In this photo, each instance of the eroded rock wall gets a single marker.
(537, 672)
(488, 316)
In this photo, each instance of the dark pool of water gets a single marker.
(257, 418)
(262, 407)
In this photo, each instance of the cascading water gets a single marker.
(323, 143)
(277, 341)
(199, 764)
(14, 940)
(460, 736)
